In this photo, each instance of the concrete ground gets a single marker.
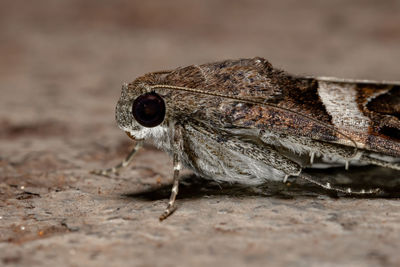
(61, 68)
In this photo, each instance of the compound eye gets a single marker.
(149, 110)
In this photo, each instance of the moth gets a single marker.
(245, 121)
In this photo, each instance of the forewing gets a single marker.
(336, 111)
(330, 110)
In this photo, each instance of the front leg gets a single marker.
(123, 164)
(177, 145)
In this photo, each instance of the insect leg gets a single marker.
(314, 147)
(257, 151)
(266, 154)
(289, 167)
(269, 155)
(123, 164)
(372, 160)
(174, 192)
(325, 148)
(338, 189)
(178, 146)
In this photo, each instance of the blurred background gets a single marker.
(61, 56)
(62, 64)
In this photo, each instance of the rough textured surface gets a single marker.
(62, 64)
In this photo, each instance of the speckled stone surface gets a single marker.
(61, 68)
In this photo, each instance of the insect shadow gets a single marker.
(364, 177)
(192, 187)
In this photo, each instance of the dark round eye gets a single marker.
(149, 110)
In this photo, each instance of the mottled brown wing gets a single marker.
(374, 116)
(333, 110)
(326, 109)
